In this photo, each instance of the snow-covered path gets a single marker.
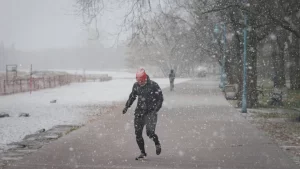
(197, 128)
(71, 107)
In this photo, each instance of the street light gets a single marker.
(244, 98)
(216, 30)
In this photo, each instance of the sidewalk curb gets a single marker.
(32, 142)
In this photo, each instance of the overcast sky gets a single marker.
(39, 24)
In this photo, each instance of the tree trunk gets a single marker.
(275, 65)
(238, 72)
(292, 73)
(237, 62)
(297, 63)
(294, 62)
(280, 62)
(280, 71)
(229, 70)
(252, 99)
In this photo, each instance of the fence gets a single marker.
(100, 77)
(33, 84)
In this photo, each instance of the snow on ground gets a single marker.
(69, 108)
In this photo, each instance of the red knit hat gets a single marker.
(141, 77)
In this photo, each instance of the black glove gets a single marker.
(125, 110)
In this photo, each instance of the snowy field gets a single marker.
(114, 74)
(72, 107)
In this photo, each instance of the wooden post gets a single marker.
(4, 86)
(20, 85)
(30, 78)
(27, 85)
(44, 82)
(13, 86)
(6, 74)
(34, 85)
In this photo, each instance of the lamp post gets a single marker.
(216, 30)
(244, 97)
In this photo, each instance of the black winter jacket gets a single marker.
(172, 76)
(150, 97)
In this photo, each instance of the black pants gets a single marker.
(172, 84)
(150, 121)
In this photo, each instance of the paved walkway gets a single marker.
(197, 128)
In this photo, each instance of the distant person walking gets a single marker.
(172, 79)
(150, 100)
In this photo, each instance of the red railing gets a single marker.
(34, 84)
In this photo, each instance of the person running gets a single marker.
(150, 100)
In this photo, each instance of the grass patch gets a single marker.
(291, 116)
(291, 100)
(268, 115)
(267, 83)
(285, 133)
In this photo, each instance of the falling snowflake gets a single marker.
(287, 18)
(127, 126)
(249, 28)
(71, 149)
(229, 36)
(252, 49)
(100, 135)
(273, 36)
(181, 153)
(215, 133)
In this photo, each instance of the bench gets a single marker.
(276, 97)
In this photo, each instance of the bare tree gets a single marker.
(152, 24)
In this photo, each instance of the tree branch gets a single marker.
(287, 27)
(220, 9)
